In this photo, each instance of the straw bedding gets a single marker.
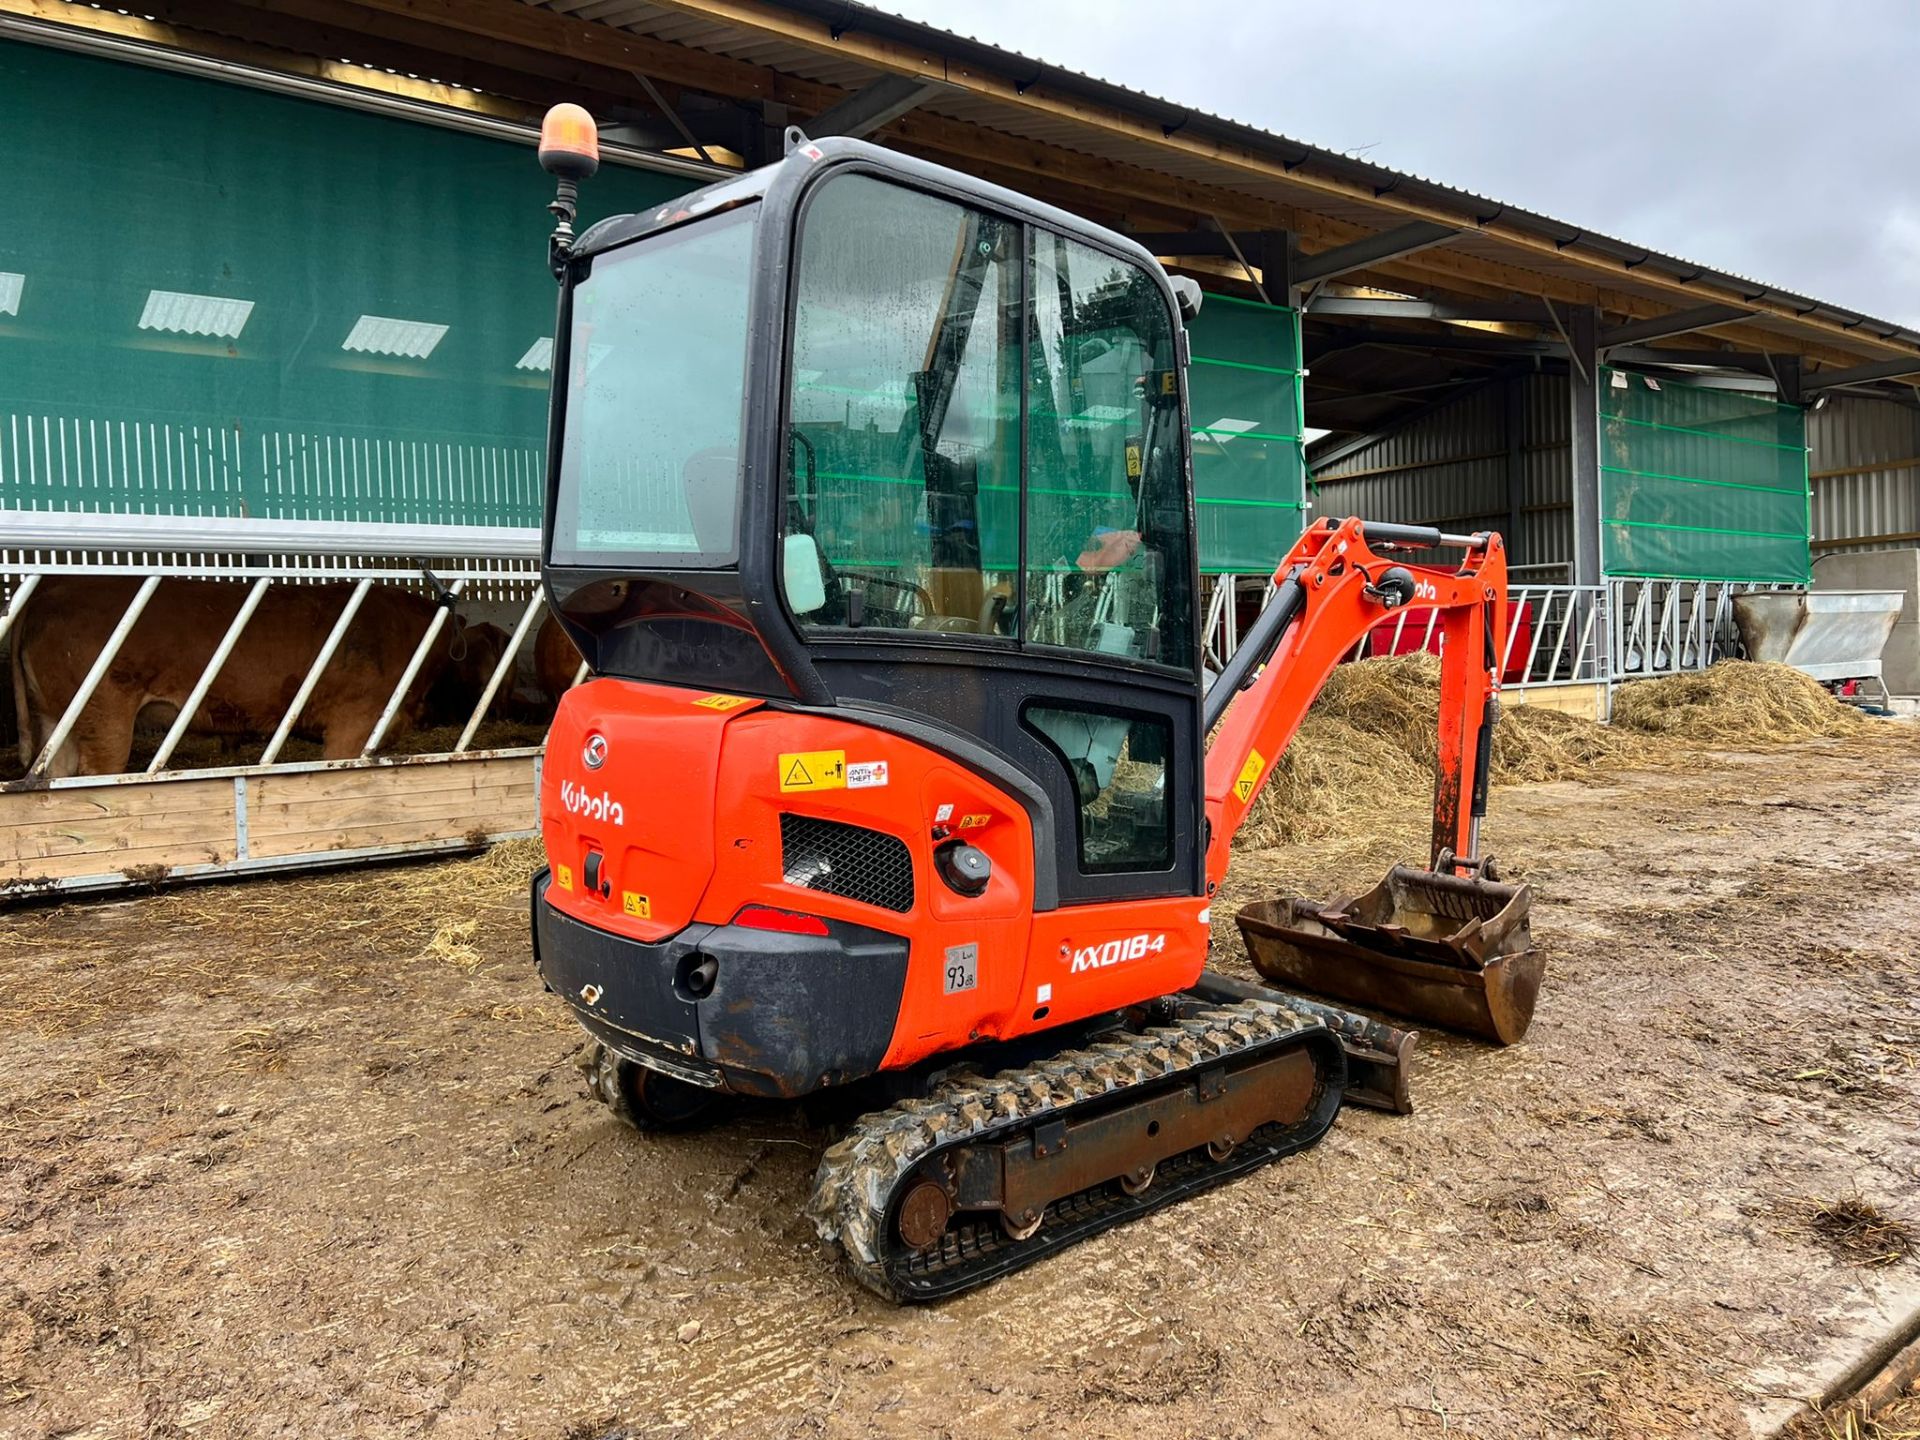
(1369, 742)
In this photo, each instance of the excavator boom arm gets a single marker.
(1333, 587)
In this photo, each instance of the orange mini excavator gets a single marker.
(870, 504)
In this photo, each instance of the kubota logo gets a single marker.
(594, 807)
(1134, 947)
(1425, 590)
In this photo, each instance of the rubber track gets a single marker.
(861, 1176)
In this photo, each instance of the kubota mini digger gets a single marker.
(870, 506)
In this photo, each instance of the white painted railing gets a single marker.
(514, 582)
(1557, 635)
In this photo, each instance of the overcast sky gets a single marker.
(1775, 140)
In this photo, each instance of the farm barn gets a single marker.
(313, 1149)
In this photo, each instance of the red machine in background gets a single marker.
(1418, 628)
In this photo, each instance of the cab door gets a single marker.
(988, 519)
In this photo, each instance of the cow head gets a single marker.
(468, 657)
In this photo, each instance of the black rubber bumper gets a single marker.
(786, 1014)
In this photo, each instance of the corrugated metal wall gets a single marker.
(1449, 468)
(1546, 503)
(1865, 463)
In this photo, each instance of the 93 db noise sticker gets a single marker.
(963, 968)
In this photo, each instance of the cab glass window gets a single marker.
(903, 451)
(1109, 544)
(1117, 765)
(656, 372)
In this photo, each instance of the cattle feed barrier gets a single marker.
(165, 820)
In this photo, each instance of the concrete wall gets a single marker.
(1883, 570)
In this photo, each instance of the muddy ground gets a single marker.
(273, 1164)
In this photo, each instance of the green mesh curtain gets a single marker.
(219, 301)
(1249, 467)
(1701, 483)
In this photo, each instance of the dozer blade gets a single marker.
(1447, 950)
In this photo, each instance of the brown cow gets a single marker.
(69, 619)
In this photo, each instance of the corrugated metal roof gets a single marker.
(1579, 254)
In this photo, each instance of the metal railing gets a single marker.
(450, 578)
(1553, 636)
(1557, 635)
(1664, 627)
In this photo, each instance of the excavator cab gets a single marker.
(849, 432)
(870, 508)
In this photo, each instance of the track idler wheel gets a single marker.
(924, 1215)
(1019, 1228)
(646, 1099)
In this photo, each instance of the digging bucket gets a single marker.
(1446, 950)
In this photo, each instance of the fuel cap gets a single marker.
(965, 870)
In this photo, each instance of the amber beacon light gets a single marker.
(569, 143)
(570, 152)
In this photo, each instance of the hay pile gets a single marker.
(1533, 743)
(1368, 745)
(1370, 742)
(1736, 702)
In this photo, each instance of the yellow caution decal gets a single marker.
(813, 770)
(638, 906)
(1250, 774)
(1133, 462)
(723, 702)
(563, 876)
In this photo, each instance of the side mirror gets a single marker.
(1186, 291)
(806, 583)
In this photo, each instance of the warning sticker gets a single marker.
(723, 702)
(866, 774)
(563, 876)
(638, 906)
(974, 822)
(1250, 774)
(813, 770)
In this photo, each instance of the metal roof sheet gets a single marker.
(1580, 247)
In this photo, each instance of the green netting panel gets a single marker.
(219, 301)
(1700, 482)
(1249, 465)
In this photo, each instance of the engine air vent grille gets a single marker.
(846, 860)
